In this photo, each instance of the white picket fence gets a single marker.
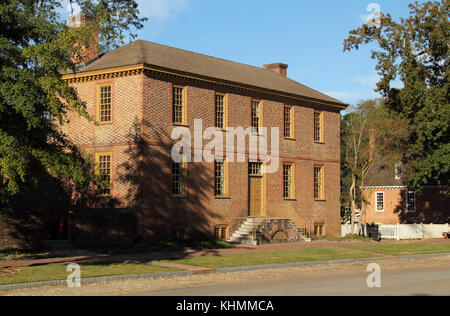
(406, 231)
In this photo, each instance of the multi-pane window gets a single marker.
(255, 169)
(318, 127)
(221, 232)
(319, 230)
(220, 111)
(318, 183)
(410, 202)
(288, 181)
(178, 178)
(256, 116)
(288, 122)
(104, 171)
(179, 233)
(178, 105)
(379, 201)
(105, 104)
(219, 178)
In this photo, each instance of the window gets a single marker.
(178, 108)
(255, 169)
(318, 137)
(104, 171)
(398, 171)
(410, 202)
(220, 178)
(379, 202)
(256, 116)
(318, 183)
(288, 181)
(319, 230)
(179, 233)
(220, 111)
(288, 132)
(105, 105)
(221, 232)
(178, 179)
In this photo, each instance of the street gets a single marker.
(417, 282)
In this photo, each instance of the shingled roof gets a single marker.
(178, 60)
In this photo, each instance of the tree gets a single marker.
(366, 140)
(415, 51)
(35, 45)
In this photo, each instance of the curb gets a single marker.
(95, 280)
(295, 264)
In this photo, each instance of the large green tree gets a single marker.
(35, 45)
(415, 51)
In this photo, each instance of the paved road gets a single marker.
(417, 282)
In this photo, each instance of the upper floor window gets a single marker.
(410, 202)
(318, 183)
(398, 171)
(104, 161)
(318, 127)
(288, 181)
(288, 126)
(256, 116)
(379, 196)
(105, 105)
(178, 106)
(220, 111)
(220, 178)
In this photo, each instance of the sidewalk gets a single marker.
(149, 258)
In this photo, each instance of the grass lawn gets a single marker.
(279, 257)
(56, 272)
(406, 249)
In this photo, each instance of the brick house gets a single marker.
(140, 92)
(390, 202)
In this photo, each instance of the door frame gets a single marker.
(263, 193)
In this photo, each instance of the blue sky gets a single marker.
(307, 35)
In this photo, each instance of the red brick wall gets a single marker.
(142, 175)
(431, 207)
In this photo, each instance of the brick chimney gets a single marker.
(278, 68)
(91, 52)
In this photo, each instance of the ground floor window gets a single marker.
(410, 202)
(179, 233)
(221, 232)
(104, 170)
(379, 199)
(319, 229)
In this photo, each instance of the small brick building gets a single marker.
(389, 201)
(140, 92)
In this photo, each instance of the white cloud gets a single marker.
(161, 9)
(371, 80)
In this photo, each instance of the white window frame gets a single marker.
(376, 202)
(407, 202)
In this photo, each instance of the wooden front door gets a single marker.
(256, 190)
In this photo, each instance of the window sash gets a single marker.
(318, 183)
(104, 170)
(255, 169)
(288, 122)
(317, 126)
(178, 105)
(379, 201)
(105, 104)
(219, 178)
(410, 202)
(178, 178)
(256, 116)
(288, 181)
(220, 111)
